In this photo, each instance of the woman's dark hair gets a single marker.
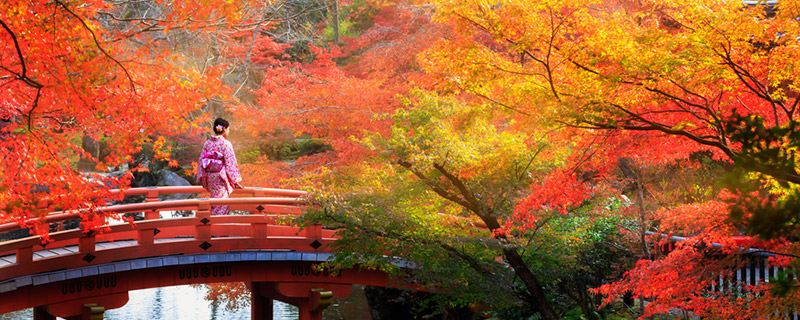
(220, 125)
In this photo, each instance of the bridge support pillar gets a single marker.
(309, 298)
(260, 303)
(42, 313)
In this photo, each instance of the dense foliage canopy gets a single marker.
(520, 153)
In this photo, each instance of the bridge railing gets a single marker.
(152, 195)
(200, 233)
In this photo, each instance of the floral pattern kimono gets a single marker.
(219, 184)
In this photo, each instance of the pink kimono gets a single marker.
(219, 184)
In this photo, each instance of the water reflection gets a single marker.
(186, 302)
(179, 303)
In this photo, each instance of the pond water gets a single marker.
(188, 303)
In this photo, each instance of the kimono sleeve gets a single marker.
(231, 166)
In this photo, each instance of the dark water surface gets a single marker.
(188, 303)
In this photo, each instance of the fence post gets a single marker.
(313, 231)
(152, 196)
(86, 243)
(259, 230)
(203, 227)
(24, 255)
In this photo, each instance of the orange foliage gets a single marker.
(344, 94)
(72, 70)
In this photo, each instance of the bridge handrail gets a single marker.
(253, 191)
(188, 204)
(257, 194)
(254, 226)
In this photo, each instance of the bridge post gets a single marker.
(24, 255)
(154, 214)
(313, 231)
(41, 313)
(259, 230)
(152, 196)
(145, 236)
(86, 243)
(309, 298)
(260, 303)
(203, 230)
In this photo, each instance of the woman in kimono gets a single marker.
(217, 169)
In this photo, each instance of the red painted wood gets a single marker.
(181, 246)
(260, 305)
(10, 247)
(247, 191)
(245, 271)
(86, 244)
(279, 237)
(24, 255)
(242, 232)
(152, 215)
(189, 204)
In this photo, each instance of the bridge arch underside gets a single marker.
(289, 276)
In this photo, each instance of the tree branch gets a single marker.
(441, 192)
(24, 74)
(462, 188)
(97, 43)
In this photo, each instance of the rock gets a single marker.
(169, 178)
(144, 179)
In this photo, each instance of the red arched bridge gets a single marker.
(77, 275)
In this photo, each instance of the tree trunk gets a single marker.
(537, 296)
(335, 18)
(471, 201)
(642, 218)
(92, 147)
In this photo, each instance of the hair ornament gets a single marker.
(219, 128)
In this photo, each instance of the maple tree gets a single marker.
(445, 169)
(528, 118)
(106, 71)
(661, 83)
(664, 81)
(345, 95)
(341, 93)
